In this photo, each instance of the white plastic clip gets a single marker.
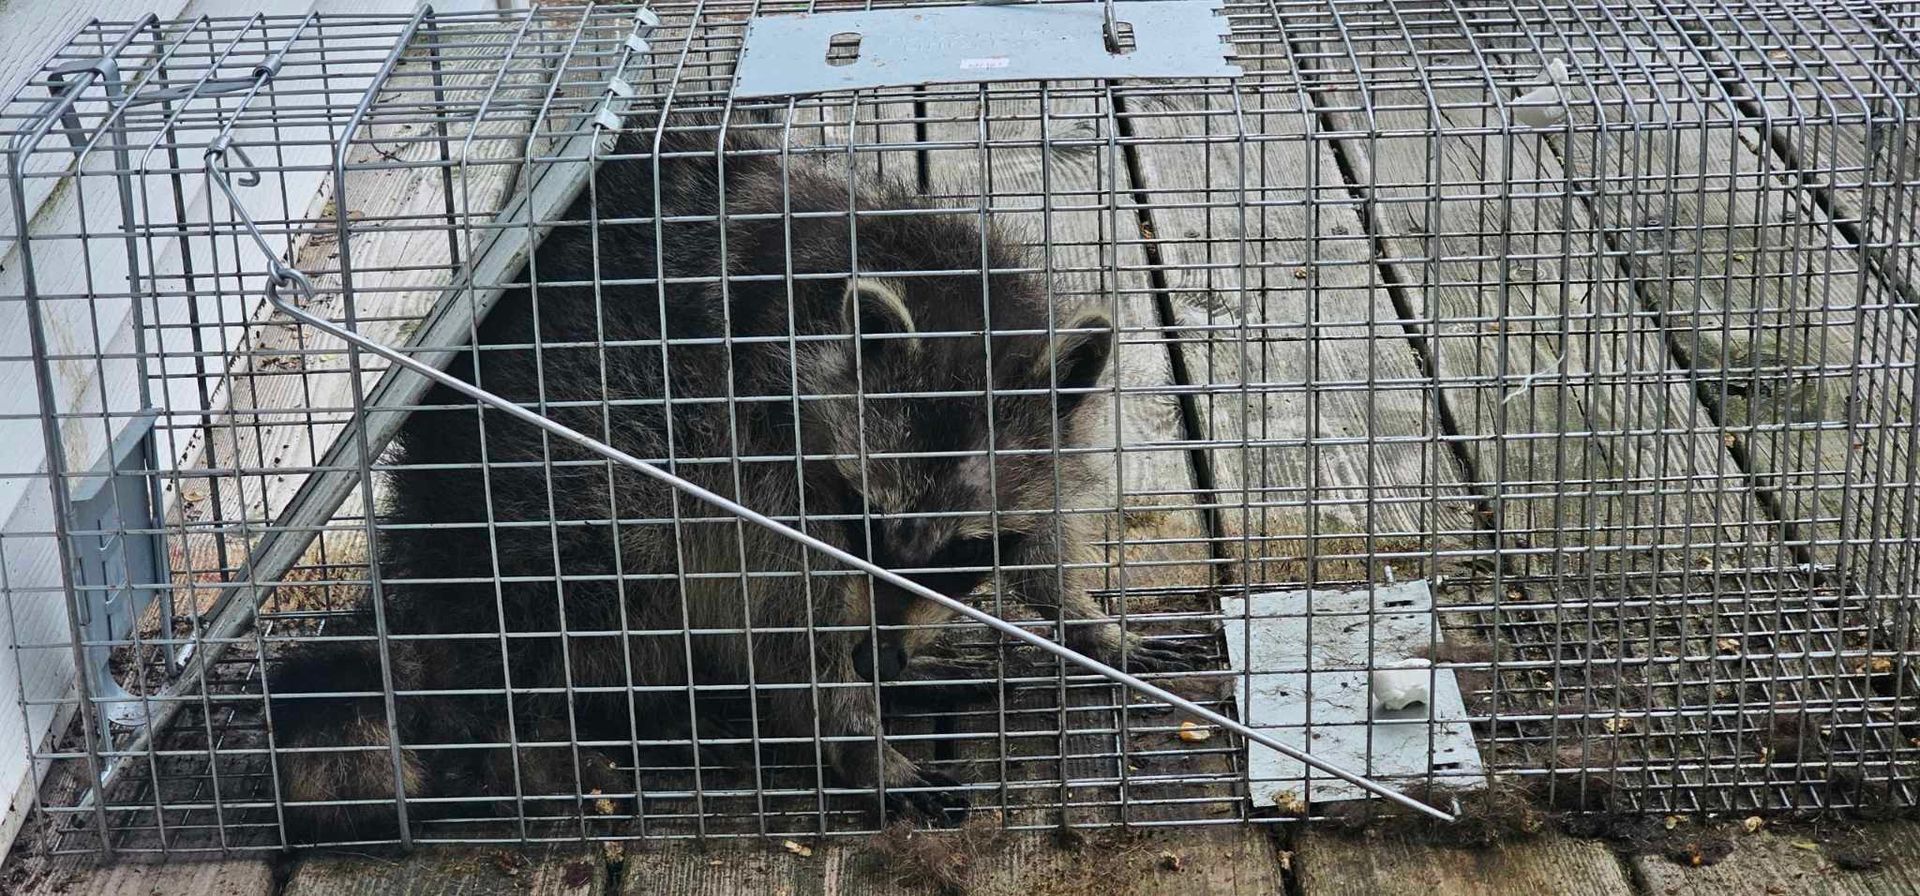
(1546, 105)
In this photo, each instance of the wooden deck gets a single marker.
(1381, 279)
(1877, 859)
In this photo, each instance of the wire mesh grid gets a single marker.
(1596, 317)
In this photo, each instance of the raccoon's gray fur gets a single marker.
(601, 369)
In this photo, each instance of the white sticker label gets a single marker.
(984, 62)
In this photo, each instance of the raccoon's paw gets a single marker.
(1164, 655)
(929, 796)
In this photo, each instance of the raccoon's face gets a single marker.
(934, 482)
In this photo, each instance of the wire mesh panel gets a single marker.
(1595, 321)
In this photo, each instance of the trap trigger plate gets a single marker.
(790, 55)
(1306, 660)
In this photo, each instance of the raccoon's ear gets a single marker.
(876, 307)
(1079, 356)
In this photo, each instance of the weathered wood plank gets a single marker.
(1330, 864)
(1111, 863)
(451, 872)
(1318, 415)
(1801, 351)
(1877, 860)
(1806, 360)
(1835, 89)
(730, 870)
(231, 877)
(1566, 392)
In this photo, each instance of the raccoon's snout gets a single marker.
(893, 658)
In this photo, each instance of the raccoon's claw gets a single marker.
(1165, 655)
(941, 803)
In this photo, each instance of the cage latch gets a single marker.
(808, 53)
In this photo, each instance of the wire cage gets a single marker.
(1559, 354)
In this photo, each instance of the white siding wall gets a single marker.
(33, 612)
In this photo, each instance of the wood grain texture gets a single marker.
(731, 870)
(1835, 96)
(1330, 864)
(1798, 348)
(1770, 864)
(232, 877)
(1318, 414)
(450, 872)
(1564, 390)
(1235, 862)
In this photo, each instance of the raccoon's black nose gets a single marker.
(893, 660)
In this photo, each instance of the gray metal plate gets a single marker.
(787, 54)
(1310, 656)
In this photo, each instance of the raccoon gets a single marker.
(762, 353)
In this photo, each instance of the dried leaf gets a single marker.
(1730, 645)
(1671, 822)
(1878, 665)
(799, 849)
(1807, 845)
(1617, 724)
(1193, 732)
(1171, 862)
(1700, 853)
(1289, 803)
(1753, 824)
